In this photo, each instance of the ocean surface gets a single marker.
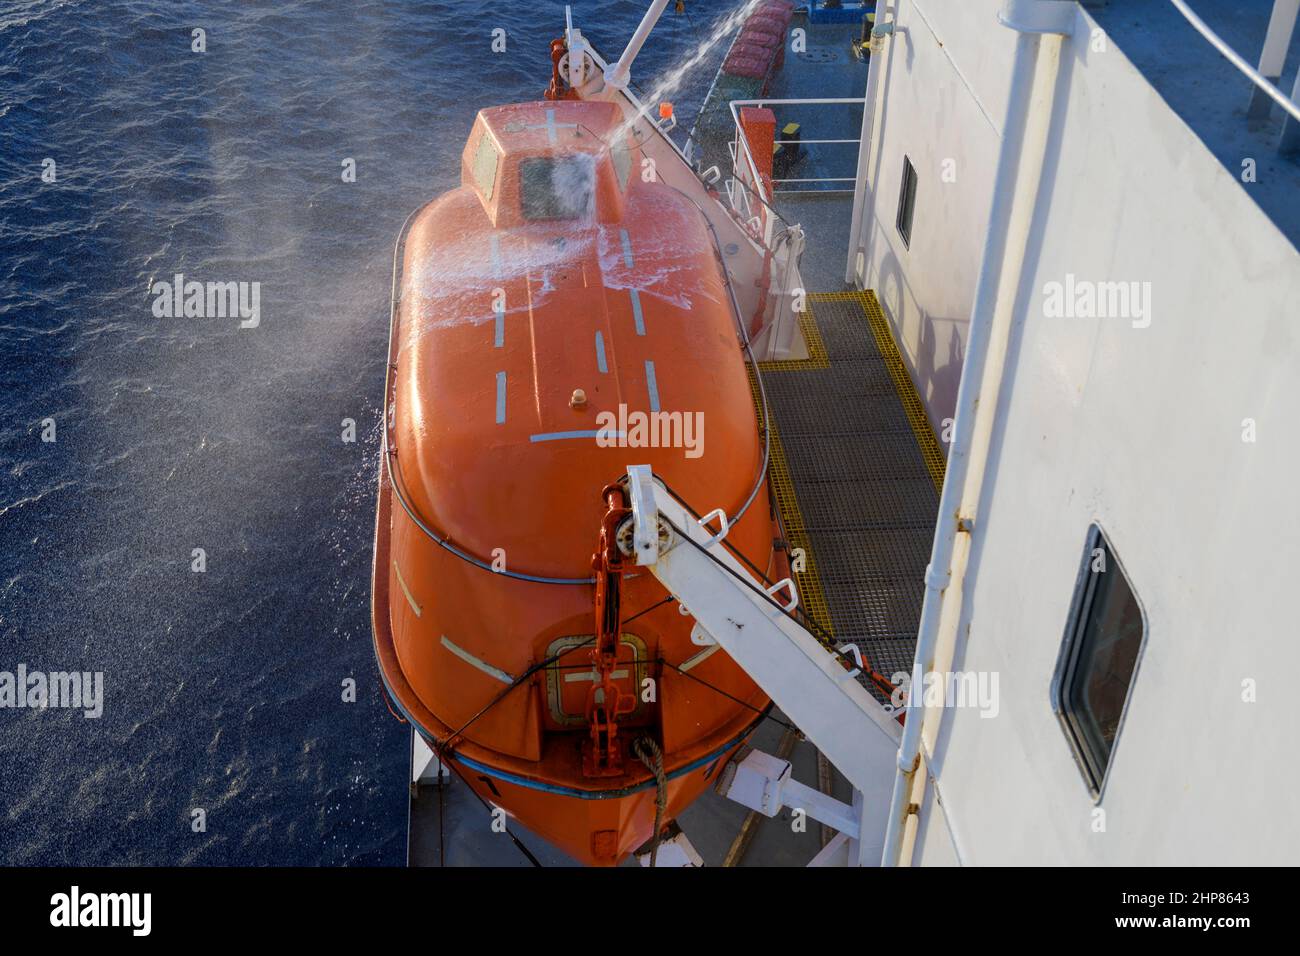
(223, 690)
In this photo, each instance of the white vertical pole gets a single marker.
(1290, 144)
(1020, 165)
(1281, 25)
(863, 192)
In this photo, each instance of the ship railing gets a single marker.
(798, 183)
(1277, 40)
(752, 195)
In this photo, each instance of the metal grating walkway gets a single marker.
(856, 471)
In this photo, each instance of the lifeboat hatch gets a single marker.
(569, 678)
(549, 162)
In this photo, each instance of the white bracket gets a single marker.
(763, 783)
(856, 653)
(645, 514)
(835, 853)
(787, 585)
(700, 637)
(724, 527)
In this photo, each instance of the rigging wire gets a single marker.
(761, 711)
(554, 658)
(879, 680)
(491, 809)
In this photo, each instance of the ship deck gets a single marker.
(1210, 95)
(857, 472)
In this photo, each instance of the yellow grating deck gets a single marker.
(856, 473)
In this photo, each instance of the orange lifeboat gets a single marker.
(545, 311)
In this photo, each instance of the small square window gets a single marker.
(1098, 660)
(906, 202)
(562, 187)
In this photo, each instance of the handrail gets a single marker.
(1236, 60)
(810, 101)
(751, 191)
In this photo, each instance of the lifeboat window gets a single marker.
(622, 157)
(558, 188)
(906, 202)
(1098, 660)
(485, 165)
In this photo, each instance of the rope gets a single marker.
(648, 753)
(383, 692)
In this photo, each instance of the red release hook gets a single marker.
(602, 755)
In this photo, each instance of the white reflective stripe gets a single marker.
(652, 386)
(405, 590)
(470, 659)
(637, 316)
(627, 247)
(699, 658)
(591, 675)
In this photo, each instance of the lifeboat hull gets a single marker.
(523, 321)
(598, 827)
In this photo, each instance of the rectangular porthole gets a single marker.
(906, 202)
(562, 187)
(1098, 662)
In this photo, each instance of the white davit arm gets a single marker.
(808, 683)
(620, 73)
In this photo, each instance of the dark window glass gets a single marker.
(1098, 660)
(906, 202)
(559, 188)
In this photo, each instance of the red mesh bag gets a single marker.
(761, 37)
(751, 62)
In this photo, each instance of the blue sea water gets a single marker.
(223, 689)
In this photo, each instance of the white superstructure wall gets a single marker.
(1168, 421)
(942, 82)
